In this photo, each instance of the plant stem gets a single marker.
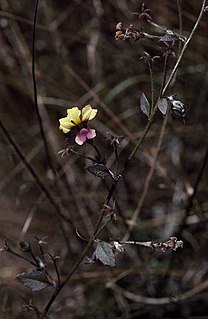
(185, 47)
(75, 266)
(164, 75)
(36, 94)
(151, 84)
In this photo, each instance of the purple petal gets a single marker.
(84, 134)
(91, 133)
(81, 136)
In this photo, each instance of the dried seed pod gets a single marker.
(177, 108)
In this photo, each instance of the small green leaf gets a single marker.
(162, 105)
(34, 280)
(104, 252)
(144, 105)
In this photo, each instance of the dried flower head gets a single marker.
(128, 33)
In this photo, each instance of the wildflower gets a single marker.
(77, 119)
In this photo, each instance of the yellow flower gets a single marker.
(76, 117)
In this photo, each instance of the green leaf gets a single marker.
(104, 253)
(34, 280)
(144, 105)
(162, 105)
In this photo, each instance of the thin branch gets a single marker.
(151, 83)
(35, 92)
(180, 22)
(65, 151)
(179, 35)
(185, 47)
(50, 164)
(164, 74)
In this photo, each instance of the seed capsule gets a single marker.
(178, 108)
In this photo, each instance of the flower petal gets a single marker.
(93, 114)
(65, 124)
(74, 115)
(88, 113)
(72, 119)
(81, 136)
(90, 134)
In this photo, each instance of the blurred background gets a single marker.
(78, 61)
